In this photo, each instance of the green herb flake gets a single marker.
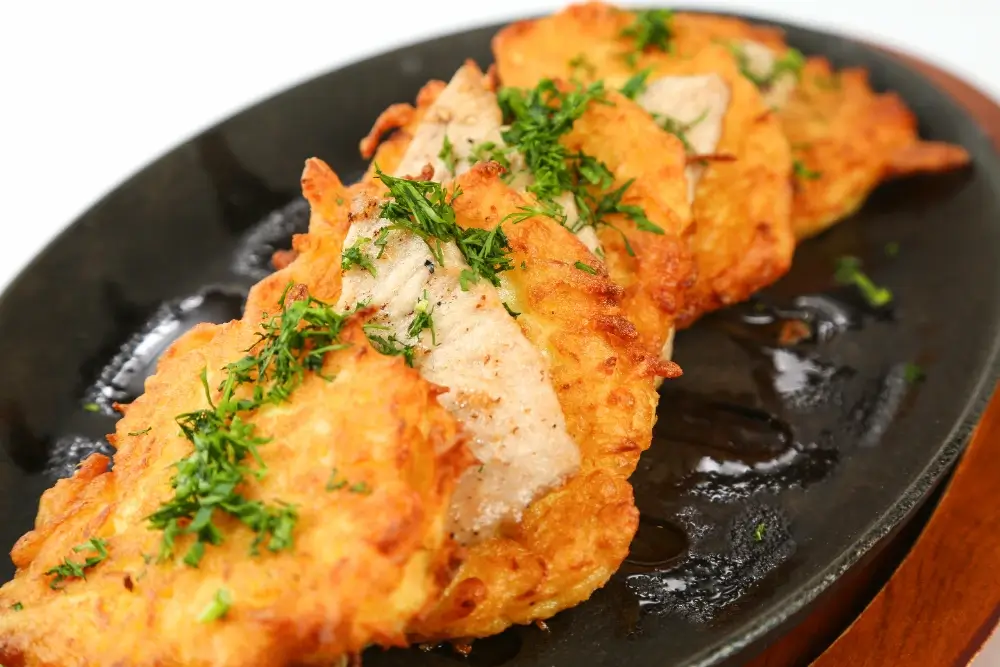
(388, 344)
(335, 482)
(423, 318)
(355, 256)
(580, 63)
(91, 407)
(447, 155)
(892, 249)
(361, 488)
(70, 569)
(849, 273)
(758, 532)
(587, 268)
(651, 30)
(288, 346)
(913, 373)
(422, 208)
(680, 129)
(790, 62)
(218, 607)
(636, 84)
(509, 310)
(142, 432)
(17, 606)
(804, 172)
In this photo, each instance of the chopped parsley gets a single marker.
(17, 606)
(447, 155)
(804, 172)
(70, 569)
(355, 256)
(636, 84)
(913, 373)
(849, 273)
(422, 208)
(91, 407)
(758, 532)
(423, 319)
(587, 268)
(218, 607)
(289, 346)
(509, 311)
(650, 30)
(142, 432)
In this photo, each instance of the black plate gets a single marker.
(722, 559)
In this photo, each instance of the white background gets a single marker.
(93, 90)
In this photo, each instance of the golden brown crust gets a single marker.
(853, 138)
(361, 565)
(741, 238)
(656, 277)
(571, 540)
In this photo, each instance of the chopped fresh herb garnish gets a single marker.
(758, 532)
(389, 345)
(422, 208)
(17, 606)
(509, 311)
(582, 64)
(422, 319)
(91, 407)
(650, 30)
(142, 432)
(804, 172)
(447, 155)
(70, 569)
(891, 249)
(524, 265)
(679, 129)
(355, 256)
(289, 345)
(586, 268)
(340, 201)
(489, 151)
(849, 273)
(636, 84)
(791, 62)
(360, 487)
(335, 482)
(218, 607)
(913, 373)
(538, 119)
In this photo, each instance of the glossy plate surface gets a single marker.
(774, 469)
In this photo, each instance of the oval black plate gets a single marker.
(775, 468)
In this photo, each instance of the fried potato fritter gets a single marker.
(845, 138)
(570, 541)
(654, 269)
(741, 239)
(365, 454)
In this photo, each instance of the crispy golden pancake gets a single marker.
(845, 137)
(570, 540)
(742, 239)
(369, 551)
(658, 272)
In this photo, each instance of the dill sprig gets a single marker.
(207, 482)
(680, 129)
(538, 119)
(70, 569)
(790, 62)
(423, 208)
(849, 273)
(650, 30)
(800, 170)
(355, 256)
(388, 344)
(423, 318)
(447, 155)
